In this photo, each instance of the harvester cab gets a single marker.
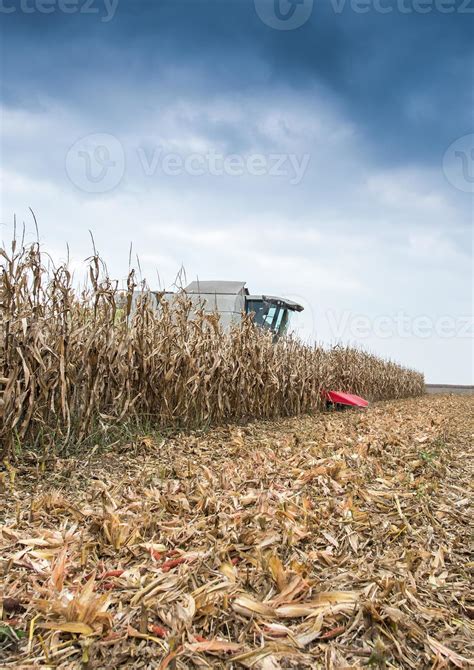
(231, 299)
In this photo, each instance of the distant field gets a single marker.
(448, 388)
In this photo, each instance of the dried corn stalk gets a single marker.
(73, 364)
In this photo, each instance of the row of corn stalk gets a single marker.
(72, 362)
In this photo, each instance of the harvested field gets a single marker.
(448, 388)
(333, 541)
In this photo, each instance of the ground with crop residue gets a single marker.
(333, 541)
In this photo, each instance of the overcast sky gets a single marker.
(320, 151)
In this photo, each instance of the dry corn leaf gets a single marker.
(249, 607)
(78, 627)
(455, 658)
(213, 646)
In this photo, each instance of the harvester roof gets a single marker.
(275, 300)
(218, 286)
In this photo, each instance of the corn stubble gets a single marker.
(73, 363)
(319, 542)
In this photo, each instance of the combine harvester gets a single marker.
(231, 300)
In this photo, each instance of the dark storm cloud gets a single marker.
(404, 78)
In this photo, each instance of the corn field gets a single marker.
(76, 362)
